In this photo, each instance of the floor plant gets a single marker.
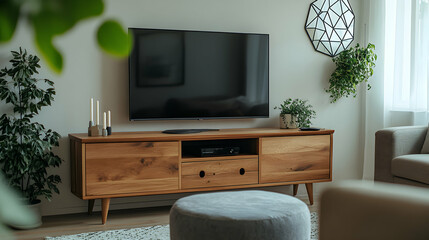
(26, 145)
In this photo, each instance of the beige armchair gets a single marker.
(357, 210)
(398, 157)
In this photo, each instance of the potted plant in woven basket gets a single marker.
(295, 113)
(26, 145)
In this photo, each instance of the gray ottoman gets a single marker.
(240, 215)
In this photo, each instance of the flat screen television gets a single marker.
(180, 74)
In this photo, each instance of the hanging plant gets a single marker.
(354, 66)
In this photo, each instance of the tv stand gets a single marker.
(128, 164)
(187, 131)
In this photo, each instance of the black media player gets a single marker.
(219, 151)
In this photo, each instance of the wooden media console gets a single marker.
(150, 163)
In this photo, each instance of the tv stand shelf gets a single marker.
(220, 158)
(150, 163)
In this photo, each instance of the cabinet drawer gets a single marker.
(116, 168)
(295, 158)
(219, 173)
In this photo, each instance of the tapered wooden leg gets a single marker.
(295, 189)
(105, 202)
(90, 206)
(309, 187)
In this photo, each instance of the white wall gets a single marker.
(296, 71)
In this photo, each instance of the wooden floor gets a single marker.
(117, 219)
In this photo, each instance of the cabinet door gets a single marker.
(120, 168)
(295, 158)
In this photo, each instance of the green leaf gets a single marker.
(9, 15)
(354, 65)
(113, 39)
(57, 17)
(299, 108)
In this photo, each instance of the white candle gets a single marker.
(109, 123)
(104, 120)
(92, 111)
(98, 112)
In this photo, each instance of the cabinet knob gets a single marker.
(202, 174)
(242, 171)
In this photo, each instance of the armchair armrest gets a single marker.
(394, 142)
(356, 210)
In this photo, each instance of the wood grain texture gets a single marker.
(295, 189)
(219, 173)
(116, 168)
(330, 156)
(105, 204)
(211, 135)
(179, 164)
(77, 150)
(259, 162)
(150, 163)
(309, 187)
(295, 158)
(82, 167)
(91, 203)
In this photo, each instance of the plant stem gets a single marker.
(22, 186)
(20, 111)
(20, 139)
(28, 183)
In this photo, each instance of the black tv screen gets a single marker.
(177, 74)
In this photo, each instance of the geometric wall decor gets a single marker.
(330, 26)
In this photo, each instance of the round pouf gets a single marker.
(240, 215)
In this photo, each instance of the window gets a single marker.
(407, 54)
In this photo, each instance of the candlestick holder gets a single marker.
(109, 130)
(104, 132)
(93, 131)
(89, 128)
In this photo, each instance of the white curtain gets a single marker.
(400, 31)
(373, 28)
(407, 55)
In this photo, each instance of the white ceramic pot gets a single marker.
(288, 121)
(35, 210)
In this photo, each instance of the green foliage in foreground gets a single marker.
(52, 18)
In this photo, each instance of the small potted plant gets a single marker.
(295, 113)
(26, 145)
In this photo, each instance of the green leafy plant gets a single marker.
(51, 18)
(354, 66)
(25, 145)
(299, 108)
